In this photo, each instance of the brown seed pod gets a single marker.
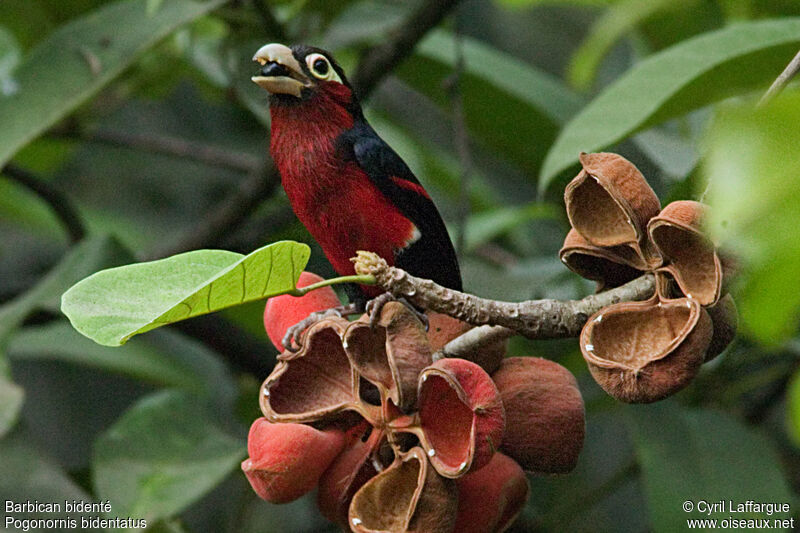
(314, 383)
(609, 203)
(641, 352)
(726, 323)
(490, 499)
(609, 267)
(286, 460)
(409, 496)
(689, 256)
(461, 416)
(392, 354)
(545, 420)
(347, 473)
(443, 328)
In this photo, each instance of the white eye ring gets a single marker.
(328, 74)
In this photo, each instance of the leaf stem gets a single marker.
(781, 81)
(366, 279)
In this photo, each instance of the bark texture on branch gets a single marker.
(537, 319)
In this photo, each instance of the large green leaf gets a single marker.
(162, 455)
(754, 189)
(703, 456)
(78, 59)
(673, 82)
(512, 107)
(113, 305)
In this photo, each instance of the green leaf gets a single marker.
(27, 474)
(166, 360)
(78, 59)
(702, 455)
(83, 259)
(495, 98)
(488, 225)
(605, 32)
(11, 398)
(161, 456)
(754, 189)
(793, 408)
(113, 305)
(673, 82)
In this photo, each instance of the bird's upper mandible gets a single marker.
(289, 71)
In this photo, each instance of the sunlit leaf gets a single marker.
(113, 305)
(703, 455)
(78, 59)
(162, 455)
(673, 82)
(754, 189)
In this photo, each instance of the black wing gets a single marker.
(432, 256)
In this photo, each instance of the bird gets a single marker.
(347, 186)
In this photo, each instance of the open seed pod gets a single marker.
(392, 354)
(461, 416)
(641, 352)
(545, 420)
(314, 383)
(689, 256)
(409, 496)
(346, 475)
(286, 460)
(490, 499)
(443, 328)
(609, 267)
(609, 203)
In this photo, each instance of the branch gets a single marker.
(174, 146)
(536, 319)
(271, 24)
(781, 81)
(58, 202)
(230, 212)
(379, 60)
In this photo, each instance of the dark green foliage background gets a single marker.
(146, 121)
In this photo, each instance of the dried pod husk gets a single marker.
(609, 203)
(287, 460)
(726, 322)
(642, 352)
(545, 419)
(490, 499)
(689, 256)
(392, 354)
(316, 382)
(409, 496)
(609, 267)
(283, 312)
(348, 472)
(461, 416)
(444, 328)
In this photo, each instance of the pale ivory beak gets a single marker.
(282, 73)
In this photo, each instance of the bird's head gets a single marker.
(299, 73)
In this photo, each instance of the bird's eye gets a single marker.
(321, 67)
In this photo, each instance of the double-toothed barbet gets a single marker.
(346, 185)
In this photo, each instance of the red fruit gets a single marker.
(283, 312)
(286, 460)
(490, 499)
(545, 423)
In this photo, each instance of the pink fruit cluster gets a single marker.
(395, 441)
